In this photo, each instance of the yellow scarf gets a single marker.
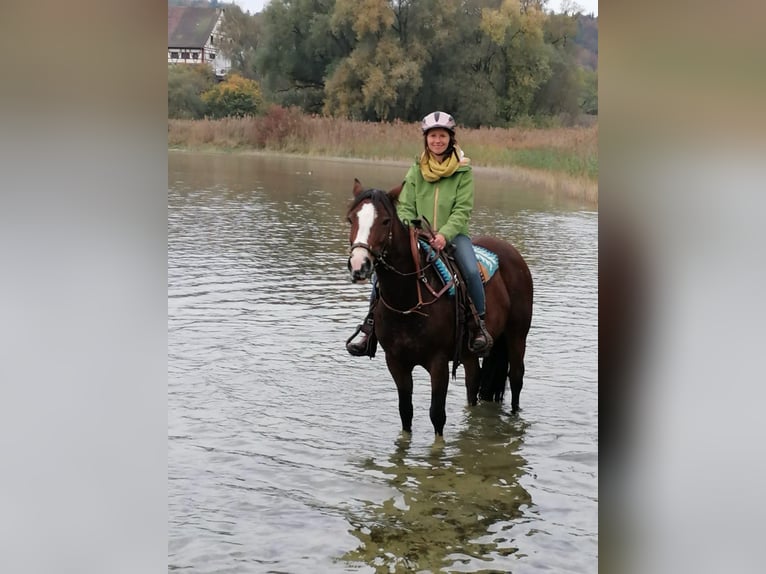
(433, 171)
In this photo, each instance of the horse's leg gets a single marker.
(471, 368)
(516, 348)
(403, 378)
(439, 371)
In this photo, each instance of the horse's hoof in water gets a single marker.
(404, 439)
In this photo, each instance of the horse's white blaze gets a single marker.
(365, 216)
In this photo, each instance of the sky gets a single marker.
(588, 6)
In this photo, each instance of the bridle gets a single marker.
(379, 258)
(377, 255)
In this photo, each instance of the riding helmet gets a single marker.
(438, 120)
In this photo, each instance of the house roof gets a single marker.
(190, 26)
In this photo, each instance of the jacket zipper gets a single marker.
(435, 225)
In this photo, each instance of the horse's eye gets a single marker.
(386, 221)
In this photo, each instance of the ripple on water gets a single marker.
(284, 453)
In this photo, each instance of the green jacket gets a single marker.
(447, 204)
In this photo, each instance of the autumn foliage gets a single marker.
(235, 97)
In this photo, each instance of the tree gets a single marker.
(523, 65)
(297, 51)
(186, 84)
(456, 77)
(380, 77)
(237, 96)
(488, 62)
(589, 95)
(587, 41)
(560, 94)
(242, 32)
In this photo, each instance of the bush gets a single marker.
(589, 95)
(234, 97)
(186, 84)
(277, 127)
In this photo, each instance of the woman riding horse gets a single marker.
(438, 188)
(418, 324)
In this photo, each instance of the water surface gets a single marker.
(285, 453)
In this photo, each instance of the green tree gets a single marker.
(297, 50)
(523, 62)
(489, 62)
(589, 94)
(460, 56)
(237, 96)
(186, 84)
(381, 76)
(560, 94)
(243, 33)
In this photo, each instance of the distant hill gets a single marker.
(587, 41)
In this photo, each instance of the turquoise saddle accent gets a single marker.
(488, 263)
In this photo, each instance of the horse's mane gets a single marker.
(379, 198)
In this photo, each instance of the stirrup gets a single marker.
(482, 350)
(360, 349)
(366, 346)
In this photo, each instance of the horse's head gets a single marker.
(372, 216)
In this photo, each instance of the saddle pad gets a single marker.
(486, 259)
(488, 262)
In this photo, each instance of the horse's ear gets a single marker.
(357, 187)
(394, 193)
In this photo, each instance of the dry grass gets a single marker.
(563, 159)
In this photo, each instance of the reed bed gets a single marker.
(563, 159)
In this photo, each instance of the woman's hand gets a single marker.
(438, 242)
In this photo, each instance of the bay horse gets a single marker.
(418, 328)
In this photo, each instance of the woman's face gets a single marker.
(437, 141)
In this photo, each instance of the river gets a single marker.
(285, 453)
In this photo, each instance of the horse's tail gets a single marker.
(494, 372)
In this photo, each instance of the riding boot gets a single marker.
(481, 340)
(364, 347)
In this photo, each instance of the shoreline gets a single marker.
(574, 188)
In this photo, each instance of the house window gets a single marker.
(195, 55)
(174, 55)
(185, 55)
(212, 40)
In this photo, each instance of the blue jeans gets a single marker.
(466, 260)
(469, 268)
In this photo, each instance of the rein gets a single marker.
(421, 279)
(419, 275)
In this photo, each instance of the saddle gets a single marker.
(452, 280)
(486, 260)
(444, 262)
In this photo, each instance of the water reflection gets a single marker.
(449, 499)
